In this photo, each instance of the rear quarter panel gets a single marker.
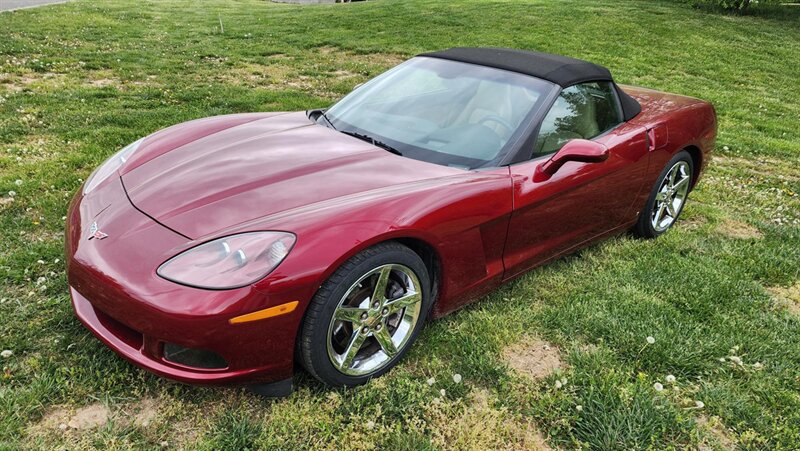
(679, 122)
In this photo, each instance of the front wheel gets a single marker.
(365, 316)
(667, 197)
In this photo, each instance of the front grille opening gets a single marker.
(195, 358)
(131, 337)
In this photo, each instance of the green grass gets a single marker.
(80, 80)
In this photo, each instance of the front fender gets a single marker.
(464, 219)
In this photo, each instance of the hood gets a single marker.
(261, 167)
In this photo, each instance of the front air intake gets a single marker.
(195, 358)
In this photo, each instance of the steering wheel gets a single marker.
(497, 120)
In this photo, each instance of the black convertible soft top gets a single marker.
(561, 70)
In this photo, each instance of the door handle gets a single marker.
(657, 137)
(651, 139)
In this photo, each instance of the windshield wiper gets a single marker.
(325, 116)
(372, 141)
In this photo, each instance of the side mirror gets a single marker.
(581, 150)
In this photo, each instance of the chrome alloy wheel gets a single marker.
(671, 196)
(374, 320)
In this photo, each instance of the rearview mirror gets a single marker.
(581, 150)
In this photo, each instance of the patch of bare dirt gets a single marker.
(787, 297)
(534, 358)
(54, 419)
(103, 82)
(18, 83)
(186, 433)
(62, 418)
(480, 424)
(693, 222)
(716, 429)
(146, 412)
(89, 417)
(738, 230)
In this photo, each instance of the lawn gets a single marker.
(559, 358)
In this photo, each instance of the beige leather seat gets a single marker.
(489, 100)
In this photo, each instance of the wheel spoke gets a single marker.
(659, 214)
(351, 314)
(681, 182)
(404, 301)
(385, 340)
(352, 349)
(672, 175)
(379, 293)
(671, 210)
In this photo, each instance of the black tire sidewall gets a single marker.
(644, 227)
(314, 334)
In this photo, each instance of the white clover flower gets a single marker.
(564, 381)
(41, 262)
(651, 340)
(12, 193)
(370, 425)
(658, 386)
(670, 378)
(735, 359)
(726, 148)
(758, 365)
(6, 353)
(457, 378)
(579, 408)
(722, 359)
(443, 392)
(559, 384)
(699, 404)
(431, 381)
(18, 182)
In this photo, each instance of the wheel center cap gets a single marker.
(372, 321)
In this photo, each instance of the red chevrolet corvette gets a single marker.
(227, 249)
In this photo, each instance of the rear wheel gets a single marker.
(667, 197)
(365, 316)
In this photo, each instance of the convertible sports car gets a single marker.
(227, 249)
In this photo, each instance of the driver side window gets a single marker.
(583, 111)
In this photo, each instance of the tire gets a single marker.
(647, 226)
(343, 315)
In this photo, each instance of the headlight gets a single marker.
(230, 262)
(110, 166)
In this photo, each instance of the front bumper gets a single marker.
(117, 294)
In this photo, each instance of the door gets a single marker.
(581, 200)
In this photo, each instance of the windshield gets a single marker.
(441, 111)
